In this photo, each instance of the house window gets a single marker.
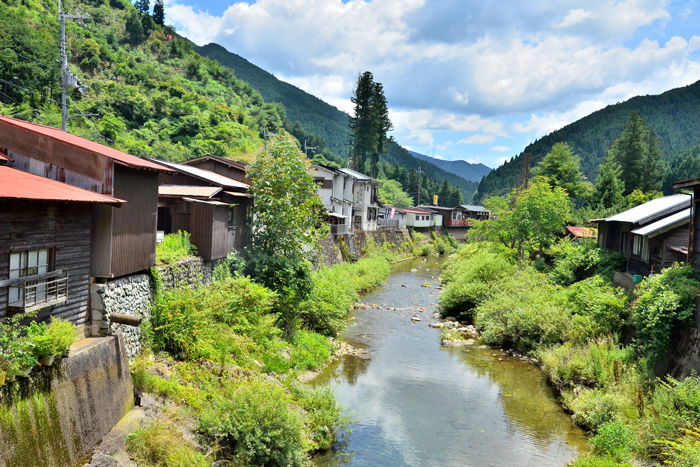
(371, 214)
(231, 217)
(33, 293)
(637, 243)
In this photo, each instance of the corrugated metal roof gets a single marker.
(413, 211)
(229, 162)
(238, 194)
(357, 175)
(3, 157)
(653, 209)
(205, 201)
(665, 224)
(15, 184)
(100, 149)
(206, 175)
(582, 232)
(188, 190)
(472, 207)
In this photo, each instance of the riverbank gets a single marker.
(413, 402)
(568, 317)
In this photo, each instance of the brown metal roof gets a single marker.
(15, 184)
(229, 162)
(100, 149)
(691, 182)
(192, 191)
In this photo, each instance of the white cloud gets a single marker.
(502, 160)
(477, 139)
(499, 148)
(575, 16)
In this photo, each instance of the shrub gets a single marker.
(683, 451)
(310, 350)
(254, 424)
(614, 440)
(428, 250)
(597, 461)
(323, 416)
(576, 260)
(526, 313)
(594, 407)
(52, 339)
(598, 309)
(664, 301)
(174, 322)
(161, 444)
(470, 280)
(594, 364)
(174, 247)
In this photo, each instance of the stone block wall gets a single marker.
(130, 295)
(58, 414)
(189, 272)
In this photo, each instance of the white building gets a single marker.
(365, 204)
(420, 218)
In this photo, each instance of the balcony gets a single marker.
(340, 229)
(459, 223)
(35, 295)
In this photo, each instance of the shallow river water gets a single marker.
(413, 402)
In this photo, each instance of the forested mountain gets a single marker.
(319, 119)
(674, 116)
(464, 169)
(149, 93)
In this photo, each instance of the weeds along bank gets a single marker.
(598, 346)
(225, 361)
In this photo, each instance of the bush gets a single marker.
(174, 247)
(470, 280)
(595, 364)
(594, 407)
(614, 440)
(323, 415)
(664, 302)
(526, 313)
(577, 260)
(310, 350)
(161, 444)
(254, 424)
(597, 461)
(52, 339)
(598, 309)
(683, 451)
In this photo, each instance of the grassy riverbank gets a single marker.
(597, 346)
(227, 369)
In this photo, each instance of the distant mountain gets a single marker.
(322, 119)
(464, 169)
(674, 116)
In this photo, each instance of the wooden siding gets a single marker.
(63, 227)
(223, 237)
(134, 224)
(201, 219)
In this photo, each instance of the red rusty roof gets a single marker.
(15, 184)
(582, 232)
(3, 157)
(100, 149)
(413, 211)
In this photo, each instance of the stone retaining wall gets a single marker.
(189, 272)
(58, 414)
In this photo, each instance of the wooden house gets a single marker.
(649, 235)
(213, 208)
(226, 167)
(693, 247)
(45, 234)
(123, 240)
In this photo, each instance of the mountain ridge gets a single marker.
(461, 168)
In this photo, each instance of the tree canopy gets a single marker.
(562, 168)
(391, 192)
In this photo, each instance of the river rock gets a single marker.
(437, 315)
(437, 325)
(451, 319)
(415, 319)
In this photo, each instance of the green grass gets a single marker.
(175, 247)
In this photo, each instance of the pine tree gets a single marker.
(361, 124)
(638, 153)
(562, 168)
(144, 6)
(381, 122)
(609, 187)
(158, 12)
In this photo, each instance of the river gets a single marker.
(413, 402)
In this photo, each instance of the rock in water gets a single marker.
(415, 319)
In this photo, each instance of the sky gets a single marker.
(470, 80)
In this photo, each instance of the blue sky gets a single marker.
(465, 79)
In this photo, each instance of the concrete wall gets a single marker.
(58, 414)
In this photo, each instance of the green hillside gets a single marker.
(674, 116)
(319, 119)
(149, 92)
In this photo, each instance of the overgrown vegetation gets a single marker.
(175, 247)
(567, 314)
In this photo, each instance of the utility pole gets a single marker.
(68, 79)
(308, 148)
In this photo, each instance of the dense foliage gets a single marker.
(672, 116)
(151, 94)
(174, 247)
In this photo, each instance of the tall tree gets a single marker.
(609, 188)
(158, 12)
(361, 123)
(562, 168)
(144, 6)
(369, 124)
(285, 225)
(638, 153)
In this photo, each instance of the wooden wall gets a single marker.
(201, 219)
(64, 227)
(223, 238)
(134, 224)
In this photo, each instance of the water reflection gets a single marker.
(415, 403)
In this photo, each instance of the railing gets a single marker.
(388, 224)
(458, 222)
(340, 229)
(40, 294)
